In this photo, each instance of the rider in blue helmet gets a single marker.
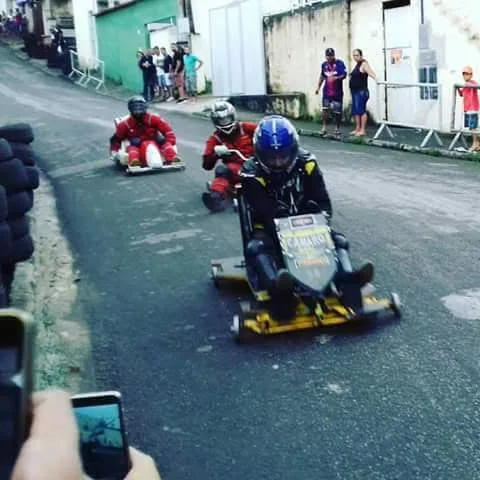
(279, 181)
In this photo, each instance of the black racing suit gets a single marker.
(280, 195)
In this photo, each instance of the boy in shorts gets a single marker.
(471, 106)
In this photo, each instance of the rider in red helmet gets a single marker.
(143, 129)
(233, 135)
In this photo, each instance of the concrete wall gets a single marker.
(121, 32)
(295, 46)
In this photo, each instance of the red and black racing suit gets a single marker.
(228, 173)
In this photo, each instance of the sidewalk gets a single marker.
(405, 139)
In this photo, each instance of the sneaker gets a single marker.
(284, 282)
(213, 201)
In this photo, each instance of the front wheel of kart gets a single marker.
(241, 333)
(396, 305)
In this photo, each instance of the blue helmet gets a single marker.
(276, 144)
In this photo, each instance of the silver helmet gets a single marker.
(224, 117)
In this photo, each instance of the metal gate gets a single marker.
(237, 49)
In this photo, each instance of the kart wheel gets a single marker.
(235, 205)
(396, 305)
(241, 333)
(214, 277)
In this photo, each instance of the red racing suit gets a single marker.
(228, 174)
(143, 134)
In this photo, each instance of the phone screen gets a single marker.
(104, 448)
(11, 347)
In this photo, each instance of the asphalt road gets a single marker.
(396, 400)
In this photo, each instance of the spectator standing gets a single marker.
(179, 71)
(192, 65)
(360, 93)
(471, 106)
(333, 73)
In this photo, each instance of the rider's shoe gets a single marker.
(364, 274)
(213, 201)
(134, 163)
(284, 283)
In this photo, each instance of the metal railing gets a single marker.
(94, 71)
(459, 132)
(385, 123)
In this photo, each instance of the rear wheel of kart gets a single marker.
(17, 132)
(396, 305)
(241, 333)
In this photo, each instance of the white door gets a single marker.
(237, 49)
(399, 31)
(163, 36)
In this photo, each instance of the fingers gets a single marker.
(53, 417)
(143, 466)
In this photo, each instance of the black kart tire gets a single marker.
(3, 204)
(6, 244)
(25, 153)
(13, 175)
(6, 152)
(17, 132)
(19, 204)
(22, 249)
(19, 227)
(33, 178)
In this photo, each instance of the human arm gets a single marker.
(315, 188)
(121, 134)
(164, 128)
(321, 79)
(200, 63)
(209, 156)
(366, 68)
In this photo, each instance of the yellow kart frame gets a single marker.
(256, 320)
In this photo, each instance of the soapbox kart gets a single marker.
(308, 252)
(155, 162)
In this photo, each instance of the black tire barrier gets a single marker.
(19, 227)
(3, 297)
(19, 204)
(6, 152)
(25, 153)
(17, 132)
(22, 249)
(33, 178)
(3, 204)
(8, 274)
(6, 243)
(13, 176)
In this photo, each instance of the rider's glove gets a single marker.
(221, 150)
(115, 156)
(160, 139)
(135, 142)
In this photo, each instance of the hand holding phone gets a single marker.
(103, 439)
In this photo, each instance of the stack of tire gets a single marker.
(19, 177)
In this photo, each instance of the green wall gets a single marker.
(123, 31)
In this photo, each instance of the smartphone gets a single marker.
(103, 438)
(17, 332)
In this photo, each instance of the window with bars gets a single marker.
(428, 74)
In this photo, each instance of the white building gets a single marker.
(229, 38)
(85, 30)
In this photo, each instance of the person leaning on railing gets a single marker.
(471, 106)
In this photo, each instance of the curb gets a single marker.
(402, 147)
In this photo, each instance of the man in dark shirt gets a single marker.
(167, 69)
(178, 71)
